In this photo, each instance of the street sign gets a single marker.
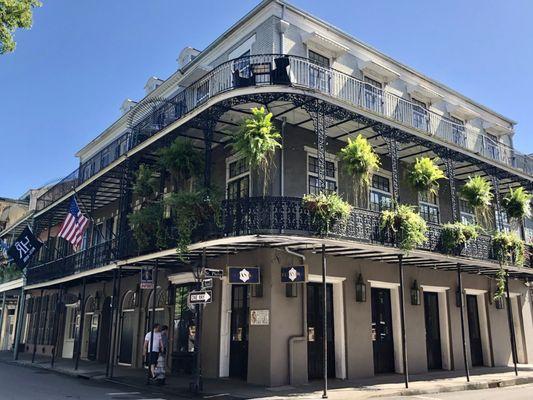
(213, 273)
(200, 297)
(207, 283)
(147, 278)
(294, 274)
(244, 275)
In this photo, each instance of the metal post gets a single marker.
(116, 318)
(198, 381)
(325, 322)
(79, 339)
(511, 324)
(394, 149)
(20, 321)
(152, 318)
(112, 326)
(497, 203)
(59, 312)
(449, 165)
(3, 318)
(402, 317)
(460, 288)
(36, 327)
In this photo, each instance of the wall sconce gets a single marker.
(500, 303)
(415, 294)
(360, 289)
(291, 290)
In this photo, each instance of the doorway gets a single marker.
(127, 327)
(315, 330)
(474, 331)
(105, 326)
(382, 332)
(433, 339)
(238, 366)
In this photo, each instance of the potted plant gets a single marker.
(477, 192)
(455, 236)
(257, 141)
(508, 248)
(501, 279)
(407, 228)
(360, 161)
(517, 203)
(182, 161)
(424, 175)
(326, 209)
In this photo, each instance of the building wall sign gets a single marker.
(244, 275)
(259, 317)
(294, 274)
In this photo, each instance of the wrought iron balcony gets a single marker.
(265, 70)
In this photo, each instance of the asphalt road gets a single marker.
(22, 383)
(521, 392)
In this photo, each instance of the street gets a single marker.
(521, 392)
(21, 383)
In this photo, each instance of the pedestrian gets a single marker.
(151, 352)
(164, 339)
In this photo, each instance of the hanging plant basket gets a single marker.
(405, 226)
(360, 162)
(148, 228)
(454, 237)
(501, 280)
(257, 141)
(517, 203)
(477, 192)
(326, 210)
(508, 248)
(424, 175)
(183, 161)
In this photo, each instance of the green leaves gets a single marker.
(182, 160)
(501, 279)
(14, 14)
(508, 248)
(360, 161)
(326, 209)
(517, 203)
(146, 183)
(477, 192)
(406, 225)
(455, 236)
(425, 174)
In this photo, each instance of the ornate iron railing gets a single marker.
(264, 70)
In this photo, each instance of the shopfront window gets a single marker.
(184, 327)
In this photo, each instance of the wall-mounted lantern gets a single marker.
(360, 289)
(500, 303)
(415, 294)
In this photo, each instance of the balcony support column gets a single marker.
(111, 324)
(449, 166)
(36, 326)
(402, 320)
(498, 222)
(208, 143)
(151, 321)
(20, 321)
(317, 114)
(116, 317)
(59, 312)
(394, 149)
(325, 322)
(512, 335)
(124, 207)
(462, 312)
(79, 339)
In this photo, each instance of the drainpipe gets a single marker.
(282, 163)
(303, 337)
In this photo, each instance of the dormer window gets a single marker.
(318, 71)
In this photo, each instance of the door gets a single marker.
(474, 331)
(315, 330)
(433, 345)
(383, 343)
(126, 337)
(93, 337)
(105, 326)
(238, 366)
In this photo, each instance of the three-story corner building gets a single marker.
(323, 87)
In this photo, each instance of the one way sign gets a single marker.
(200, 297)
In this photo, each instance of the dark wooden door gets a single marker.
(383, 342)
(474, 331)
(238, 366)
(105, 326)
(433, 345)
(315, 330)
(126, 338)
(93, 337)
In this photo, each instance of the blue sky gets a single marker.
(65, 82)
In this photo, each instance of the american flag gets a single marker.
(74, 225)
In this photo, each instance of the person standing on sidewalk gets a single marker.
(151, 353)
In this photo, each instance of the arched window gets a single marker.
(128, 302)
(90, 305)
(161, 299)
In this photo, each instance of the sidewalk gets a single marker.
(386, 385)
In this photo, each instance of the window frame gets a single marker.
(383, 174)
(310, 152)
(428, 204)
(230, 160)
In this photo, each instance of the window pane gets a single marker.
(318, 59)
(381, 183)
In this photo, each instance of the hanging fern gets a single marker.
(183, 161)
(405, 225)
(326, 210)
(501, 279)
(455, 236)
(361, 162)
(517, 203)
(508, 248)
(257, 141)
(146, 182)
(425, 175)
(148, 227)
(477, 192)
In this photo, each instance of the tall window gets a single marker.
(184, 327)
(373, 94)
(491, 147)
(504, 219)
(429, 207)
(202, 92)
(380, 193)
(467, 212)
(420, 114)
(458, 131)
(319, 75)
(238, 179)
(312, 174)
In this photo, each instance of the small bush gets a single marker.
(425, 174)
(455, 236)
(406, 226)
(326, 210)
